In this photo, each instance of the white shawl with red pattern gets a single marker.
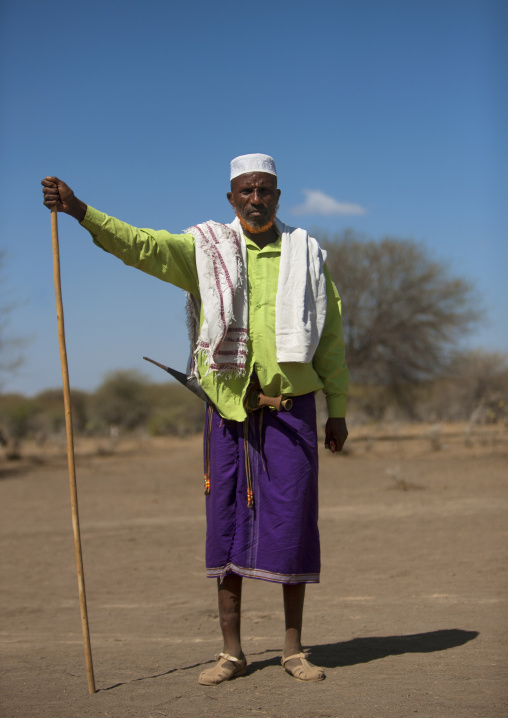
(300, 306)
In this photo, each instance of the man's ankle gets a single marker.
(236, 652)
(292, 650)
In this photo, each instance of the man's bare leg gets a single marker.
(230, 603)
(294, 597)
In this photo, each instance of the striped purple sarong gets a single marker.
(278, 539)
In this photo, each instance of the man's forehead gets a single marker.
(254, 178)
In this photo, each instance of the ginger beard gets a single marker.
(253, 229)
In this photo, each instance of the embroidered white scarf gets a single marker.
(300, 306)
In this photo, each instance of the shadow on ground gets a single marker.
(350, 653)
(364, 650)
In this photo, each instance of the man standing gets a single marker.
(265, 320)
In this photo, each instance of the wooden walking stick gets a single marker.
(70, 451)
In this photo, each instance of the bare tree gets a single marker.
(403, 312)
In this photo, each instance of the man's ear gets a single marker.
(229, 195)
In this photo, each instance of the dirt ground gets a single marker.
(410, 616)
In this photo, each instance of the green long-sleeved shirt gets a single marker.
(171, 257)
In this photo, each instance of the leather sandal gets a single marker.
(306, 671)
(220, 672)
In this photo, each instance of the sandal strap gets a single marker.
(301, 656)
(228, 657)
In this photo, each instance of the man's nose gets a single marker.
(256, 197)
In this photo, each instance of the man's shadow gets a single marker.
(364, 650)
(348, 653)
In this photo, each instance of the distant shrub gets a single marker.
(123, 400)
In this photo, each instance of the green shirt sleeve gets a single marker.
(170, 257)
(329, 360)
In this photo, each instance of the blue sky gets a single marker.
(386, 117)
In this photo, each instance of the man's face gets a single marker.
(254, 197)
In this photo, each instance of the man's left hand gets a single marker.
(335, 434)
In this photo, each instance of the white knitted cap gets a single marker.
(252, 163)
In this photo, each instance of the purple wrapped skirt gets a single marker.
(277, 539)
